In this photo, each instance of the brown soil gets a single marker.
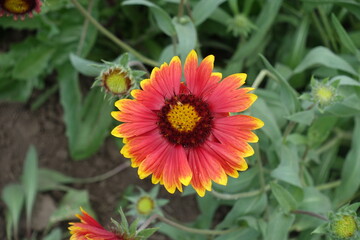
(44, 128)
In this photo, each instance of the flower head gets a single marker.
(89, 228)
(118, 79)
(181, 133)
(19, 8)
(240, 25)
(344, 224)
(146, 203)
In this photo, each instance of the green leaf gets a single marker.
(242, 207)
(284, 198)
(70, 98)
(34, 63)
(95, 112)
(288, 94)
(13, 196)
(203, 9)
(350, 181)
(261, 110)
(288, 169)
(29, 181)
(162, 18)
(253, 46)
(313, 201)
(279, 226)
(325, 57)
(69, 206)
(186, 34)
(247, 233)
(303, 117)
(84, 66)
(320, 130)
(49, 179)
(55, 234)
(343, 35)
(146, 233)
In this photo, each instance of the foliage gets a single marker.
(308, 158)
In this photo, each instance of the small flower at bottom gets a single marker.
(146, 204)
(19, 8)
(89, 228)
(344, 224)
(182, 133)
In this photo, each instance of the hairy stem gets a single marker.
(312, 214)
(113, 38)
(194, 230)
(104, 176)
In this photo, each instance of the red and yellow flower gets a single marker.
(19, 8)
(90, 229)
(181, 132)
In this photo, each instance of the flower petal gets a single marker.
(205, 168)
(227, 97)
(197, 78)
(169, 166)
(138, 148)
(228, 157)
(138, 119)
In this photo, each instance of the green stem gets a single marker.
(105, 175)
(181, 9)
(194, 230)
(329, 31)
(328, 185)
(43, 97)
(320, 29)
(291, 125)
(260, 77)
(261, 168)
(227, 196)
(84, 29)
(113, 38)
(312, 214)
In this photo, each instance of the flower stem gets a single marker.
(227, 196)
(104, 176)
(261, 168)
(112, 37)
(260, 77)
(181, 8)
(84, 29)
(328, 185)
(312, 214)
(194, 230)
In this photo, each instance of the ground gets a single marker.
(44, 128)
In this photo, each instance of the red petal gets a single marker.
(205, 168)
(227, 97)
(169, 165)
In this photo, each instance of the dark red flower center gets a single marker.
(185, 119)
(18, 6)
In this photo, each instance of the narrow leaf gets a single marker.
(285, 199)
(33, 63)
(13, 197)
(350, 181)
(203, 9)
(162, 18)
(186, 34)
(29, 181)
(84, 66)
(323, 56)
